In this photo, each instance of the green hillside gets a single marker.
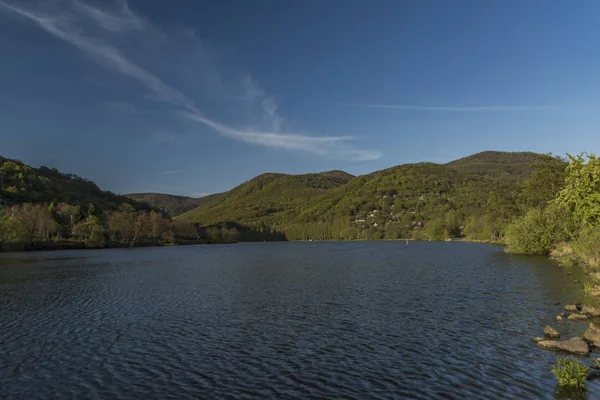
(21, 183)
(508, 166)
(171, 204)
(477, 195)
(266, 198)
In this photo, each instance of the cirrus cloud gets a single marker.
(99, 33)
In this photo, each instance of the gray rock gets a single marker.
(551, 333)
(538, 339)
(559, 319)
(574, 345)
(578, 317)
(592, 333)
(591, 311)
(571, 308)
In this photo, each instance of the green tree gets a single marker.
(436, 230)
(538, 231)
(500, 210)
(581, 193)
(544, 183)
(90, 230)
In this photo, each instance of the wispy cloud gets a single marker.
(171, 172)
(121, 20)
(80, 24)
(252, 89)
(269, 107)
(65, 27)
(332, 146)
(253, 94)
(443, 108)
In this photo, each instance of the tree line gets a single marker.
(29, 226)
(568, 225)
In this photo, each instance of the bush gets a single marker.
(570, 373)
(586, 245)
(418, 234)
(477, 228)
(538, 231)
(436, 230)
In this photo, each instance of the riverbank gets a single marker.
(76, 245)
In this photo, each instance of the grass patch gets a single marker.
(570, 373)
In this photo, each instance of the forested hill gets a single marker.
(171, 204)
(265, 196)
(21, 183)
(505, 165)
(476, 195)
(42, 208)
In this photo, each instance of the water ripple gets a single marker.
(286, 320)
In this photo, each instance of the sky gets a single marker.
(193, 97)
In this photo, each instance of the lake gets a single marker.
(282, 320)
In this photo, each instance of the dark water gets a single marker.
(281, 320)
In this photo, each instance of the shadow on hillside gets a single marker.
(230, 232)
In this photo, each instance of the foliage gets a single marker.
(30, 226)
(543, 184)
(504, 166)
(538, 231)
(265, 199)
(20, 183)
(90, 230)
(586, 245)
(581, 193)
(43, 208)
(436, 231)
(570, 373)
(477, 227)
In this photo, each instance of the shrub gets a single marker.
(418, 234)
(570, 373)
(587, 245)
(436, 230)
(563, 253)
(538, 231)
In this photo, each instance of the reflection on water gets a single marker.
(377, 320)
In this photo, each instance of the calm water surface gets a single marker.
(281, 320)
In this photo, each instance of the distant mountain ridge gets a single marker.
(172, 204)
(268, 193)
(511, 165)
(479, 193)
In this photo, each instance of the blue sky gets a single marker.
(193, 97)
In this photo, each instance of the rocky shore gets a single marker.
(582, 346)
